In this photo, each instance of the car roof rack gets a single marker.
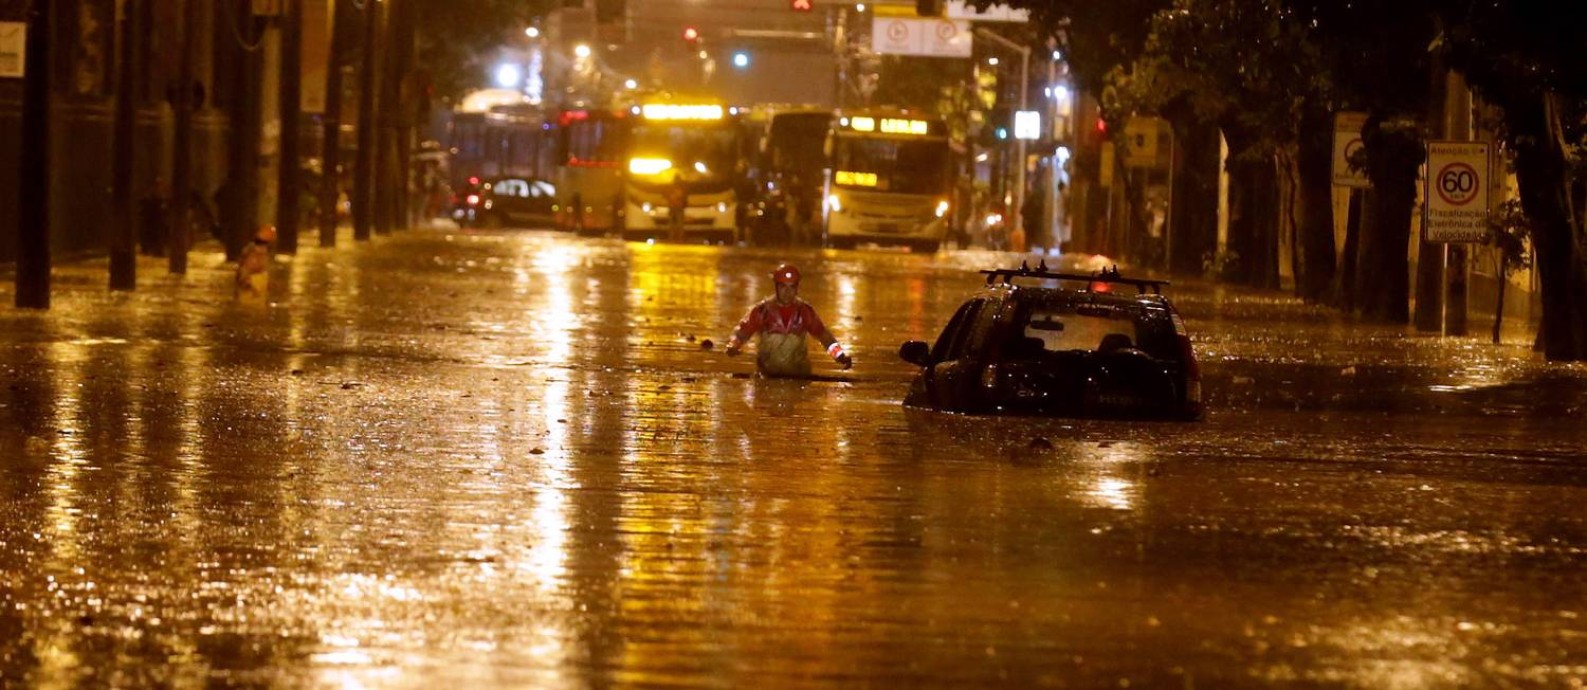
(1106, 275)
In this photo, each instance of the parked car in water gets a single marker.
(517, 202)
(1071, 345)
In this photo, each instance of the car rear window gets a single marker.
(1062, 328)
(1066, 330)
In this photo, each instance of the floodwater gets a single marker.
(508, 459)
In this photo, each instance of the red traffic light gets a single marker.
(691, 34)
(801, 5)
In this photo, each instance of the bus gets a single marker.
(495, 139)
(786, 172)
(624, 171)
(490, 137)
(888, 180)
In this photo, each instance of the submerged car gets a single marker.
(1069, 346)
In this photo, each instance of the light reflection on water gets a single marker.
(382, 519)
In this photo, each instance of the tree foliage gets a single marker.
(455, 40)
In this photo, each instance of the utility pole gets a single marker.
(176, 238)
(33, 238)
(1017, 204)
(123, 217)
(385, 190)
(291, 111)
(363, 171)
(240, 195)
(331, 155)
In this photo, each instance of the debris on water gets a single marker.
(689, 337)
(1243, 380)
(297, 372)
(1039, 443)
(349, 385)
(707, 344)
(1347, 371)
(537, 450)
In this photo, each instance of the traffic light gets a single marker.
(801, 5)
(928, 8)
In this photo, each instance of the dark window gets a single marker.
(950, 332)
(964, 332)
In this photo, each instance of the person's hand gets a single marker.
(845, 361)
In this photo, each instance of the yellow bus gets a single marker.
(888, 180)
(623, 170)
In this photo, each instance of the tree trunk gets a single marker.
(1345, 285)
(1498, 307)
(1542, 174)
(1315, 243)
(1383, 275)
(1195, 212)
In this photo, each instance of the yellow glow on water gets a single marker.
(1111, 485)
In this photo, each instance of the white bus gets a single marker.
(888, 180)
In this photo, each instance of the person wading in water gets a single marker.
(781, 322)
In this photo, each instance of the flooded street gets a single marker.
(509, 459)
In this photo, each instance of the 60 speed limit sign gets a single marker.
(1457, 192)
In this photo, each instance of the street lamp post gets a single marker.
(1018, 203)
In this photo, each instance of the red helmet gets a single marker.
(786, 274)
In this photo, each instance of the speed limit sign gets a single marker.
(1457, 192)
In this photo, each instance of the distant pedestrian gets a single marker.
(677, 205)
(253, 267)
(781, 323)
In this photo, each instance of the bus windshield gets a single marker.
(900, 166)
(703, 156)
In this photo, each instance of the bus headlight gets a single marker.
(721, 207)
(942, 208)
(834, 204)
(646, 207)
(648, 166)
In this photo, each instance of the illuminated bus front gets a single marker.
(889, 181)
(684, 148)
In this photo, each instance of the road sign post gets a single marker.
(1456, 208)
(1347, 141)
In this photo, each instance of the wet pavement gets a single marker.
(506, 459)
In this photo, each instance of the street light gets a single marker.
(581, 51)
(1019, 144)
(532, 32)
(508, 76)
(741, 59)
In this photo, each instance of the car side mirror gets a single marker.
(915, 352)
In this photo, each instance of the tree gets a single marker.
(454, 40)
(1511, 235)
(1249, 68)
(1524, 56)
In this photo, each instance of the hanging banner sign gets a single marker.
(959, 9)
(13, 49)
(316, 55)
(1347, 141)
(1456, 208)
(920, 37)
